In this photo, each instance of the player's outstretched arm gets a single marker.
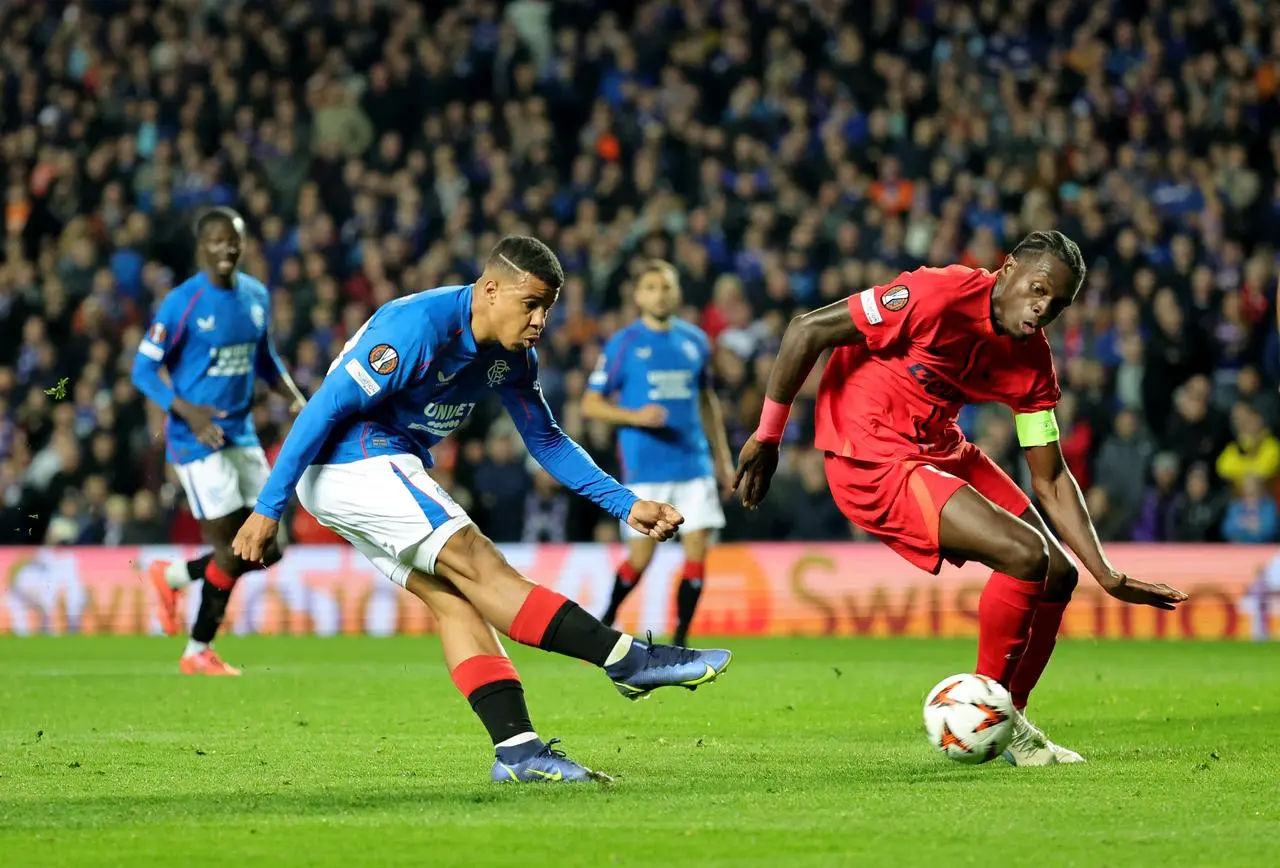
(806, 338)
(1059, 494)
(570, 464)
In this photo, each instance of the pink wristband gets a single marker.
(773, 421)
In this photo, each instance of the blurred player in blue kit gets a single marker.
(211, 336)
(672, 437)
(358, 457)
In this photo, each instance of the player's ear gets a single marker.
(1009, 264)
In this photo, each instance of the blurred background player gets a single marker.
(211, 336)
(358, 457)
(672, 440)
(907, 357)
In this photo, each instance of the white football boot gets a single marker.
(1030, 746)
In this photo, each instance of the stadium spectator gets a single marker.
(782, 153)
(1253, 453)
(1251, 514)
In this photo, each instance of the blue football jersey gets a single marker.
(214, 343)
(409, 378)
(672, 367)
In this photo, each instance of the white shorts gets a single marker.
(228, 480)
(697, 499)
(387, 507)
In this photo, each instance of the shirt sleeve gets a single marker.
(607, 376)
(163, 337)
(380, 361)
(892, 314)
(1041, 390)
(554, 450)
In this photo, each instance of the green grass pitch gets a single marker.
(357, 751)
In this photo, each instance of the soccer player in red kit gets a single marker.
(906, 357)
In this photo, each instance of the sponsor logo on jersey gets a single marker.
(235, 360)
(497, 372)
(363, 378)
(157, 334)
(440, 375)
(383, 358)
(443, 419)
(644, 352)
(670, 385)
(895, 298)
(204, 323)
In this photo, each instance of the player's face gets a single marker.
(519, 310)
(221, 244)
(1035, 291)
(657, 295)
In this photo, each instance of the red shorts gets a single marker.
(900, 502)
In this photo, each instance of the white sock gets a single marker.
(517, 739)
(194, 647)
(619, 651)
(176, 574)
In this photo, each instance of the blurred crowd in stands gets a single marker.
(782, 153)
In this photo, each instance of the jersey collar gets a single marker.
(466, 337)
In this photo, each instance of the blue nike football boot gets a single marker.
(537, 763)
(648, 667)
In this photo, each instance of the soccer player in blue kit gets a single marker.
(358, 457)
(672, 438)
(211, 334)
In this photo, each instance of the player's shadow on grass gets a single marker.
(412, 799)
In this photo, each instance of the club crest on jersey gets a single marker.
(895, 298)
(497, 372)
(690, 350)
(258, 315)
(383, 358)
(157, 334)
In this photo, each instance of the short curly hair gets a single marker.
(1059, 246)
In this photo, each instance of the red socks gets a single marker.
(628, 575)
(531, 623)
(484, 669)
(492, 686)
(1044, 635)
(214, 575)
(555, 623)
(1005, 612)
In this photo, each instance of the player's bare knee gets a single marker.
(1027, 556)
(483, 560)
(1062, 580)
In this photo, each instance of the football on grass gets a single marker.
(969, 718)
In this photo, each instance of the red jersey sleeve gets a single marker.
(1038, 389)
(909, 306)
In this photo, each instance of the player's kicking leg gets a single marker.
(485, 675)
(538, 616)
(1031, 576)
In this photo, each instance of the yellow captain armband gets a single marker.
(1036, 429)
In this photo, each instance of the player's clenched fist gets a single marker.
(658, 520)
(756, 465)
(255, 535)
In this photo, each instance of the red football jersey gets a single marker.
(931, 348)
